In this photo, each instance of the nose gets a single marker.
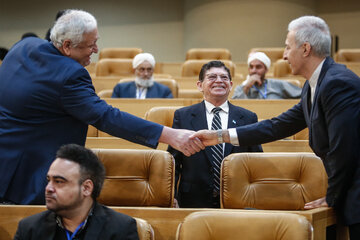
(252, 70)
(49, 187)
(285, 55)
(95, 49)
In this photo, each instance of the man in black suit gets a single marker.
(197, 174)
(329, 107)
(75, 180)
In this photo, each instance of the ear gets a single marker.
(67, 47)
(199, 86)
(87, 187)
(306, 49)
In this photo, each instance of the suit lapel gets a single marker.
(98, 219)
(48, 228)
(132, 92)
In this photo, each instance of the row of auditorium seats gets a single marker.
(200, 224)
(142, 183)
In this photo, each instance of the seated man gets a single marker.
(75, 180)
(144, 85)
(257, 87)
(199, 175)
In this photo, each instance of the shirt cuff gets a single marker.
(233, 137)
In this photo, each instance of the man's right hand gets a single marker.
(250, 81)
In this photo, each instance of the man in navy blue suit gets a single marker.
(197, 173)
(144, 85)
(47, 100)
(329, 107)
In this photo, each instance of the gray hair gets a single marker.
(72, 25)
(313, 30)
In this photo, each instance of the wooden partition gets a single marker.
(163, 220)
(263, 108)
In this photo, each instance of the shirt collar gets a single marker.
(315, 76)
(61, 225)
(209, 106)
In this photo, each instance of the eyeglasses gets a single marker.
(214, 77)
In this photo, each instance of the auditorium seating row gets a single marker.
(259, 187)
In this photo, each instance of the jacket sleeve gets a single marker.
(79, 99)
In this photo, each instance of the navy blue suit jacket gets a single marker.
(47, 100)
(104, 224)
(334, 133)
(128, 90)
(196, 172)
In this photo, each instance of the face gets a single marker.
(83, 51)
(258, 68)
(216, 85)
(293, 54)
(63, 191)
(144, 71)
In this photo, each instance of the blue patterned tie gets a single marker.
(217, 150)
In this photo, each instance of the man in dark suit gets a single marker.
(47, 99)
(144, 85)
(75, 180)
(329, 107)
(197, 173)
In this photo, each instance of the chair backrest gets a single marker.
(114, 67)
(170, 83)
(162, 115)
(228, 225)
(192, 68)
(119, 52)
(348, 55)
(92, 131)
(274, 53)
(145, 231)
(208, 53)
(137, 177)
(282, 181)
(281, 68)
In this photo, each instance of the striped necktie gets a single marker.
(217, 150)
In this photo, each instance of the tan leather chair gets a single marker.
(208, 53)
(281, 69)
(170, 83)
(92, 131)
(137, 177)
(145, 231)
(228, 225)
(281, 181)
(119, 52)
(162, 115)
(114, 67)
(191, 68)
(274, 53)
(348, 55)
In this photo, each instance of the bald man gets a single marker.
(144, 85)
(257, 87)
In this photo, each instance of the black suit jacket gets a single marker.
(196, 172)
(103, 224)
(334, 133)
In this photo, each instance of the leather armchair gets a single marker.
(227, 225)
(208, 53)
(119, 52)
(137, 177)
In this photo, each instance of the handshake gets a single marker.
(190, 142)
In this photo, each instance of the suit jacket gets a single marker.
(48, 100)
(334, 133)
(104, 224)
(196, 172)
(128, 90)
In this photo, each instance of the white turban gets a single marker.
(142, 57)
(261, 57)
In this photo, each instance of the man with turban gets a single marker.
(144, 85)
(257, 87)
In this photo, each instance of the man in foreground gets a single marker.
(75, 180)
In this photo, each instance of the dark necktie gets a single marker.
(217, 150)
